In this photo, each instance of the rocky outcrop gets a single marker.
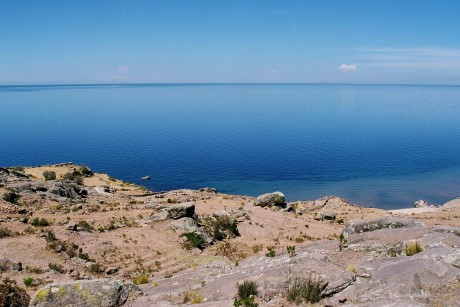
(270, 200)
(420, 204)
(177, 211)
(359, 226)
(185, 224)
(68, 190)
(98, 292)
(8, 264)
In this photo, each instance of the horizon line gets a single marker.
(215, 83)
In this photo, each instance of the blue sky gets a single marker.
(354, 41)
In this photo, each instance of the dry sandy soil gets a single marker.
(116, 232)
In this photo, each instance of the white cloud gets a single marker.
(347, 67)
(123, 68)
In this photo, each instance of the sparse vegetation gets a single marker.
(40, 222)
(49, 175)
(75, 176)
(28, 281)
(142, 279)
(247, 290)
(84, 170)
(11, 196)
(271, 252)
(291, 250)
(12, 295)
(194, 240)
(56, 267)
(305, 290)
(413, 247)
(193, 297)
(5, 232)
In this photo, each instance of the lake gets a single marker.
(374, 145)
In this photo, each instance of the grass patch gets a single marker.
(305, 290)
(40, 222)
(247, 290)
(413, 247)
(193, 297)
(195, 240)
(142, 279)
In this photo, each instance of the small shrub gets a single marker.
(413, 247)
(56, 267)
(194, 240)
(86, 171)
(49, 175)
(141, 279)
(351, 267)
(75, 177)
(12, 295)
(257, 248)
(193, 297)
(291, 250)
(271, 252)
(11, 197)
(247, 290)
(84, 225)
(28, 281)
(40, 222)
(29, 230)
(34, 270)
(84, 256)
(5, 232)
(305, 290)
(95, 268)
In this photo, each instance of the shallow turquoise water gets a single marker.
(383, 146)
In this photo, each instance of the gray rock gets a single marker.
(420, 204)
(325, 216)
(111, 270)
(358, 226)
(185, 224)
(97, 292)
(209, 190)
(177, 211)
(271, 199)
(8, 264)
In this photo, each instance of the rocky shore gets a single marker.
(69, 236)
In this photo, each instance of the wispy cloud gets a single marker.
(428, 57)
(347, 67)
(122, 68)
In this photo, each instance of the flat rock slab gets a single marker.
(360, 226)
(82, 293)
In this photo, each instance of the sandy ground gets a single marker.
(121, 235)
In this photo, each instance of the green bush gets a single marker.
(28, 281)
(194, 240)
(75, 176)
(291, 250)
(84, 170)
(247, 290)
(12, 295)
(49, 175)
(84, 225)
(141, 279)
(271, 252)
(40, 222)
(11, 197)
(305, 290)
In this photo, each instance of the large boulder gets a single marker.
(8, 264)
(175, 212)
(270, 200)
(420, 204)
(97, 292)
(185, 224)
(68, 190)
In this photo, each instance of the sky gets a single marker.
(213, 41)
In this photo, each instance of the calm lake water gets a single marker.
(383, 146)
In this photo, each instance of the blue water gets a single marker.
(374, 145)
